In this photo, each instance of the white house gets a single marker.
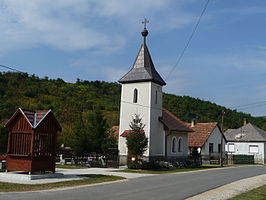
(142, 94)
(247, 140)
(208, 138)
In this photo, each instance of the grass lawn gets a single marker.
(70, 166)
(90, 179)
(173, 170)
(258, 194)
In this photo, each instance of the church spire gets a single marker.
(143, 69)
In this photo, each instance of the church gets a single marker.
(141, 94)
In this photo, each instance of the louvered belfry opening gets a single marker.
(32, 141)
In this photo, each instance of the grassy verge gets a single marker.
(90, 179)
(70, 166)
(173, 170)
(258, 194)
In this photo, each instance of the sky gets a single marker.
(225, 62)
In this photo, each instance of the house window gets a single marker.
(135, 96)
(231, 147)
(253, 149)
(180, 144)
(219, 148)
(210, 147)
(156, 97)
(174, 145)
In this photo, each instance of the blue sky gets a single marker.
(98, 40)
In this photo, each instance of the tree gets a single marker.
(91, 133)
(137, 142)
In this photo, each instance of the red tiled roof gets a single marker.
(126, 132)
(172, 123)
(201, 133)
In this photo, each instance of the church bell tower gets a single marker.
(142, 94)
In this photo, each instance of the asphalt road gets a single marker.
(161, 187)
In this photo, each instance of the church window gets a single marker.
(180, 144)
(174, 145)
(135, 96)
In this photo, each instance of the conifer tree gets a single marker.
(137, 142)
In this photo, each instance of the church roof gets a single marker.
(143, 69)
(246, 133)
(172, 123)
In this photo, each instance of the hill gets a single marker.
(71, 102)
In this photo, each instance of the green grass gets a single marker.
(258, 194)
(90, 179)
(70, 166)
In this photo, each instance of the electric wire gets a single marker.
(11, 68)
(189, 39)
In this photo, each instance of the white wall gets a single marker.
(157, 135)
(243, 148)
(214, 138)
(148, 110)
(184, 151)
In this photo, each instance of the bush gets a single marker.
(134, 165)
(151, 165)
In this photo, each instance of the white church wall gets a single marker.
(156, 127)
(128, 109)
(184, 149)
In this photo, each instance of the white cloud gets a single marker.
(81, 24)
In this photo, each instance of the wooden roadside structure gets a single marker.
(32, 141)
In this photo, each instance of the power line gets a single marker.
(11, 68)
(189, 39)
(249, 104)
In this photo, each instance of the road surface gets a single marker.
(161, 187)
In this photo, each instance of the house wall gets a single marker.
(243, 148)
(214, 138)
(149, 111)
(184, 152)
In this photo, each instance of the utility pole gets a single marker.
(221, 148)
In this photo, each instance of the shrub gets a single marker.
(134, 165)
(151, 165)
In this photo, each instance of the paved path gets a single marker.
(68, 175)
(161, 187)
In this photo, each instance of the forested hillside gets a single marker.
(73, 102)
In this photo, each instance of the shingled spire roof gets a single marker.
(143, 69)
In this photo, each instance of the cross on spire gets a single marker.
(145, 32)
(145, 22)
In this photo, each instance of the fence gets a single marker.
(245, 159)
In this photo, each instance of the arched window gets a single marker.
(174, 145)
(135, 96)
(180, 144)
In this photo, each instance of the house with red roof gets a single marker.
(208, 138)
(141, 94)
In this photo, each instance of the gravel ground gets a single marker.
(232, 189)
